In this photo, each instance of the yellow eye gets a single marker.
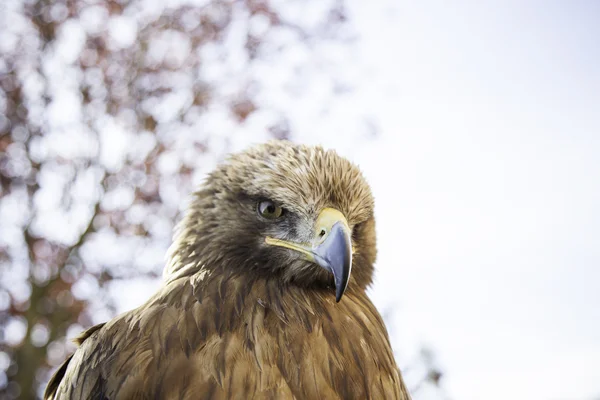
(269, 210)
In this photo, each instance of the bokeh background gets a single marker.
(477, 124)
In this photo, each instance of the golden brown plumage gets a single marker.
(248, 309)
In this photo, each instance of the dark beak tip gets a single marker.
(335, 255)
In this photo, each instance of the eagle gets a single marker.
(264, 294)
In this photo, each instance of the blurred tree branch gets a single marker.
(110, 112)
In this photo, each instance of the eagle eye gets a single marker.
(269, 210)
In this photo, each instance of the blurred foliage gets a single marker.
(110, 113)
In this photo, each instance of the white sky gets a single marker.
(487, 184)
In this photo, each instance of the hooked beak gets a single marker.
(331, 247)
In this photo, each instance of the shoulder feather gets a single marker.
(58, 376)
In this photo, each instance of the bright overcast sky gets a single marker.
(487, 182)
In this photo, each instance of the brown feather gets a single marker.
(334, 358)
(232, 323)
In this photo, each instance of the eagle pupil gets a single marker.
(268, 209)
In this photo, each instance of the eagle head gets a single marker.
(299, 214)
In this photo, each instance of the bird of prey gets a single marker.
(264, 294)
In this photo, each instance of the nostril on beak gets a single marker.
(323, 232)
